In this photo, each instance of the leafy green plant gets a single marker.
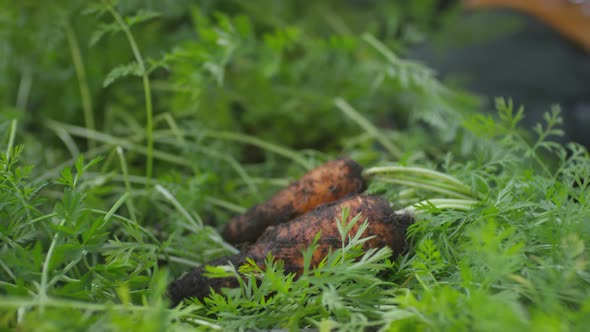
(344, 291)
(110, 186)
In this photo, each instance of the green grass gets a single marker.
(110, 188)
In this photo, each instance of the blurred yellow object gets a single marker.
(570, 17)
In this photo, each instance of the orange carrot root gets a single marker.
(286, 242)
(324, 184)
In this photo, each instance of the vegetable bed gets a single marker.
(238, 165)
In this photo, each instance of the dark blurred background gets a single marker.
(509, 53)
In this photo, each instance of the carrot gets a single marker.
(286, 242)
(326, 183)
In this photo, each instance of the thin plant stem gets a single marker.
(45, 268)
(169, 119)
(231, 136)
(381, 48)
(125, 171)
(441, 203)
(11, 137)
(83, 132)
(89, 154)
(442, 180)
(24, 89)
(114, 208)
(8, 271)
(414, 170)
(180, 260)
(196, 223)
(233, 163)
(65, 270)
(225, 204)
(367, 126)
(130, 222)
(432, 182)
(426, 186)
(146, 88)
(68, 141)
(82, 80)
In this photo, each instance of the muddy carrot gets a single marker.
(286, 241)
(324, 184)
